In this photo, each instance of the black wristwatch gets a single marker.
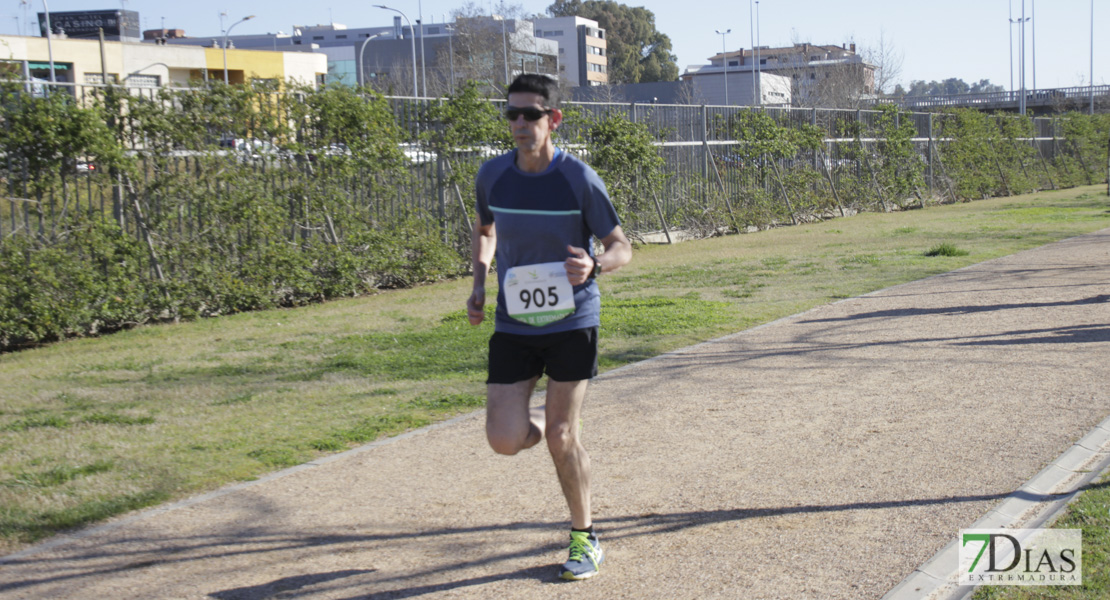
(597, 269)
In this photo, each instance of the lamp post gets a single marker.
(361, 51)
(1033, 19)
(1091, 83)
(751, 26)
(227, 33)
(50, 38)
(451, 55)
(724, 58)
(1011, 19)
(1021, 58)
(415, 94)
(1021, 101)
(423, 71)
(758, 63)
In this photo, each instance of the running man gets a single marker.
(538, 210)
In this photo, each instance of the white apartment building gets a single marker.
(812, 71)
(764, 89)
(582, 49)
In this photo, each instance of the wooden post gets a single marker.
(724, 192)
(778, 180)
(828, 176)
(1082, 162)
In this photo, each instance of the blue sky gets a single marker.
(968, 39)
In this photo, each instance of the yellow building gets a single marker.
(78, 61)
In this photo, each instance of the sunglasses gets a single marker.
(530, 113)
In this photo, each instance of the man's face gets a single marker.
(530, 136)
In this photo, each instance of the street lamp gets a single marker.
(227, 33)
(415, 94)
(724, 58)
(420, 22)
(1011, 18)
(50, 38)
(751, 26)
(758, 63)
(451, 55)
(361, 72)
(423, 71)
(1021, 58)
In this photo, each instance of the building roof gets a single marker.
(805, 48)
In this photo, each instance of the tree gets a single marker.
(888, 64)
(637, 52)
(949, 87)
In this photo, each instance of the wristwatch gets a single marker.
(597, 268)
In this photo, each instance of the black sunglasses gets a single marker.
(530, 113)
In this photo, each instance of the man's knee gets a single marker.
(504, 442)
(503, 445)
(561, 438)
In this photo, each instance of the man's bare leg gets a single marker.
(510, 424)
(564, 408)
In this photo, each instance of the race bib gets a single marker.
(538, 294)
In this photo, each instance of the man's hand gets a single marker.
(475, 306)
(579, 265)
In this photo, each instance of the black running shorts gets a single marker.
(564, 356)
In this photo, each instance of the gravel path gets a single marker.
(825, 455)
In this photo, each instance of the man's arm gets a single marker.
(618, 252)
(483, 244)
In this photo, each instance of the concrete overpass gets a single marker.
(1036, 101)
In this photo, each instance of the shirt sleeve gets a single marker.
(597, 210)
(481, 188)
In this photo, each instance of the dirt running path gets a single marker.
(822, 456)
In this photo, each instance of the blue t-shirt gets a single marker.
(537, 216)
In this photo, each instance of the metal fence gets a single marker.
(702, 172)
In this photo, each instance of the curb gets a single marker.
(1039, 501)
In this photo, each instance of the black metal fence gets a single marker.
(703, 173)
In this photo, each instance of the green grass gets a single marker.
(946, 249)
(1091, 514)
(90, 428)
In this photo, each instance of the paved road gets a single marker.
(826, 455)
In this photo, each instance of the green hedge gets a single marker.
(174, 226)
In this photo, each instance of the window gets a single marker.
(734, 63)
(97, 78)
(318, 37)
(813, 75)
(539, 33)
(151, 81)
(763, 61)
(562, 50)
(433, 31)
(341, 37)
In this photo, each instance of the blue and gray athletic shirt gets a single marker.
(537, 216)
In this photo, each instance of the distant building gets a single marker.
(817, 74)
(385, 53)
(583, 50)
(707, 86)
(117, 25)
(79, 61)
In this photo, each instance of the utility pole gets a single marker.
(724, 58)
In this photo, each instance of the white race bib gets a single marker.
(538, 294)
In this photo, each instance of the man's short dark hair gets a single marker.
(535, 83)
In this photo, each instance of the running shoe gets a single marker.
(586, 556)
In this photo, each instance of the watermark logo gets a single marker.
(1021, 557)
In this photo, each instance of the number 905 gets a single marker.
(538, 297)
